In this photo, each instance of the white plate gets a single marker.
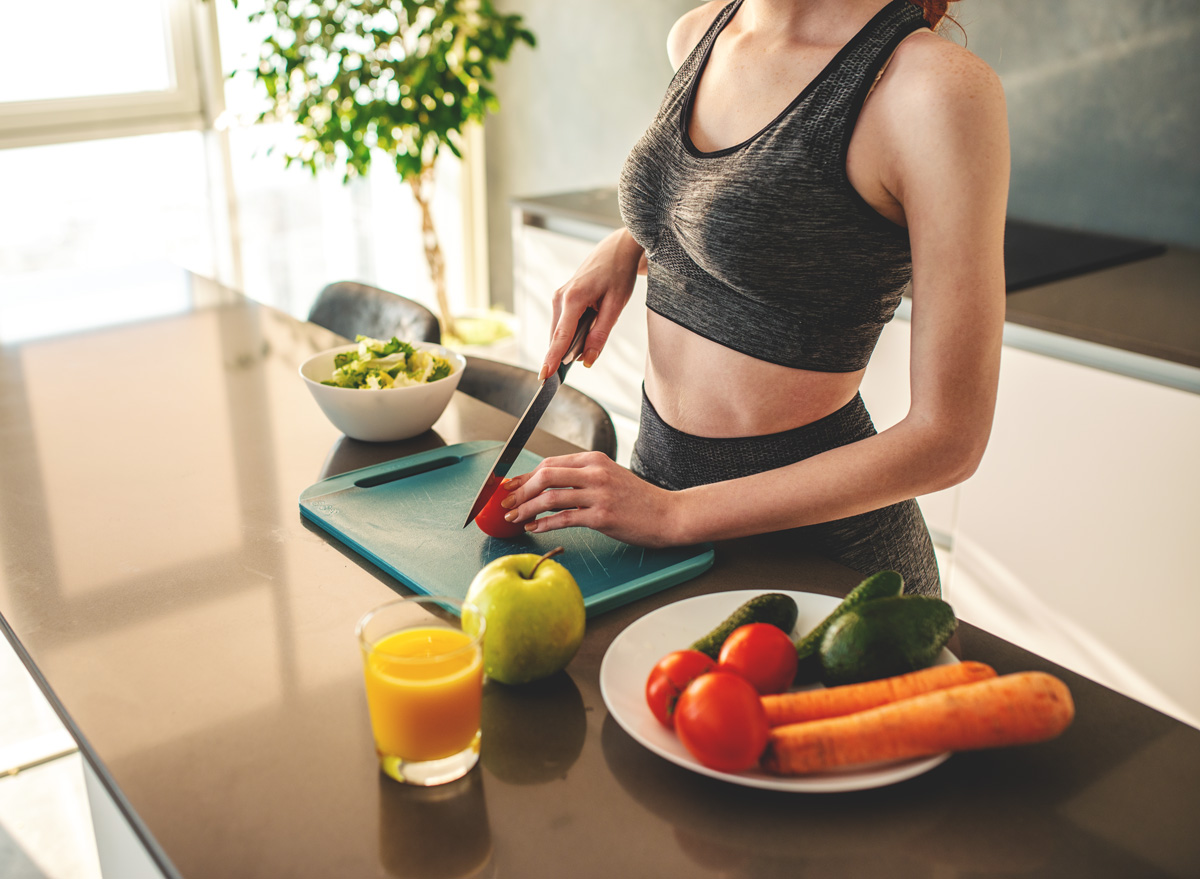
(633, 653)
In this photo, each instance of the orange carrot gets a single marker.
(1013, 709)
(847, 699)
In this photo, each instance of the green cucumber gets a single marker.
(770, 607)
(884, 584)
(885, 637)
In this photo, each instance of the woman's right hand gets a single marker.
(605, 282)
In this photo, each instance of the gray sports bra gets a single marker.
(765, 247)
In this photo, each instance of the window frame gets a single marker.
(182, 106)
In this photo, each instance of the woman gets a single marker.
(777, 245)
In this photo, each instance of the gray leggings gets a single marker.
(890, 538)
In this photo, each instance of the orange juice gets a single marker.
(424, 690)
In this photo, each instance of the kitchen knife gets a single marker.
(533, 413)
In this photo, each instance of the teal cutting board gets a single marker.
(407, 516)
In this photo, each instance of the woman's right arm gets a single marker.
(605, 282)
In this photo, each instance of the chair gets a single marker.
(572, 415)
(351, 309)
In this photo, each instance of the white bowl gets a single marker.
(386, 414)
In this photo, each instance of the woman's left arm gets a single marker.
(941, 111)
(950, 174)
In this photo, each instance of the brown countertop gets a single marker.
(1149, 307)
(197, 637)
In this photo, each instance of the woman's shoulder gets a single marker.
(932, 71)
(940, 110)
(690, 28)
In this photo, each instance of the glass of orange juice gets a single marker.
(424, 678)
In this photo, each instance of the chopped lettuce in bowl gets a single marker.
(415, 384)
(376, 364)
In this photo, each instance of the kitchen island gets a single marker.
(195, 634)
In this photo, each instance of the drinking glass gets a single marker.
(424, 680)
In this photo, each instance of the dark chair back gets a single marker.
(571, 415)
(350, 309)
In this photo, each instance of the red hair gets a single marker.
(935, 10)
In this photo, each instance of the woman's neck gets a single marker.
(806, 21)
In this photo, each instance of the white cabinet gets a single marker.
(1083, 519)
(1075, 537)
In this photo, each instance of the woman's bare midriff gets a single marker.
(706, 389)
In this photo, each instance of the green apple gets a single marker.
(534, 614)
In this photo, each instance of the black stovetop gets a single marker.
(1035, 254)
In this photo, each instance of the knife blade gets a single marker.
(529, 420)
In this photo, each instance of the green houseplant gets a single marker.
(372, 78)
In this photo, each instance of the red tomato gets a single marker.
(491, 518)
(669, 678)
(761, 653)
(721, 721)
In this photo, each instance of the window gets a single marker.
(117, 150)
(99, 72)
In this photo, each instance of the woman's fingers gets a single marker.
(590, 490)
(606, 318)
(568, 322)
(548, 502)
(571, 518)
(603, 281)
(562, 334)
(563, 472)
(535, 492)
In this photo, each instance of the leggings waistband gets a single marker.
(673, 459)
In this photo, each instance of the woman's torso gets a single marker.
(707, 388)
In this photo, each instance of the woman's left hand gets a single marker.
(589, 489)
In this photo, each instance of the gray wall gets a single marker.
(1104, 111)
(571, 108)
(1103, 99)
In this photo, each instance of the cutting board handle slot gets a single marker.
(415, 469)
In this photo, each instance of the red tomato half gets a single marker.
(491, 518)
(670, 677)
(721, 721)
(761, 653)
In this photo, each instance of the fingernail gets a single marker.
(589, 357)
(509, 502)
(531, 526)
(510, 517)
(542, 373)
